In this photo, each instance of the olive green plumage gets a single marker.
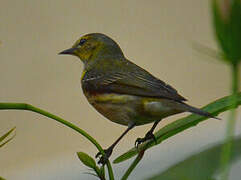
(122, 91)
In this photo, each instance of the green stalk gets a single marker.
(28, 107)
(133, 164)
(227, 148)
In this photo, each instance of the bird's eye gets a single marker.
(82, 41)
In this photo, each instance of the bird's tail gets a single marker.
(198, 111)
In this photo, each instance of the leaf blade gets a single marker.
(206, 161)
(5, 136)
(86, 160)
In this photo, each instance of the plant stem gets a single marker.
(133, 164)
(28, 107)
(227, 148)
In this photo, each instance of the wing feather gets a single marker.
(132, 80)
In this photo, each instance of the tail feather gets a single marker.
(199, 111)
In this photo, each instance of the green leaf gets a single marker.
(2, 178)
(5, 136)
(90, 162)
(207, 162)
(180, 125)
(102, 171)
(228, 30)
(87, 160)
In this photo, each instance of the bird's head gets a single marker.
(94, 46)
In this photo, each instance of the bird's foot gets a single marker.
(104, 158)
(149, 135)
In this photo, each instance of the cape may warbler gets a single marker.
(122, 91)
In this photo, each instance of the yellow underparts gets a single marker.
(125, 109)
(114, 98)
(83, 74)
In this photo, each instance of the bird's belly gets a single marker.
(120, 109)
(125, 109)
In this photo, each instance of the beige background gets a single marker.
(157, 35)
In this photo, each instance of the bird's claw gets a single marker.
(138, 142)
(104, 158)
(98, 155)
(148, 136)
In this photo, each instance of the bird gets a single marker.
(122, 91)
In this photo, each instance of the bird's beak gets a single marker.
(68, 51)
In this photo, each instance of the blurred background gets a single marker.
(156, 35)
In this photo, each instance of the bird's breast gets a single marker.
(118, 108)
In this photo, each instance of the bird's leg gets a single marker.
(108, 151)
(149, 135)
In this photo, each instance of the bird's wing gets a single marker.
(135, 81)
(136, 84)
